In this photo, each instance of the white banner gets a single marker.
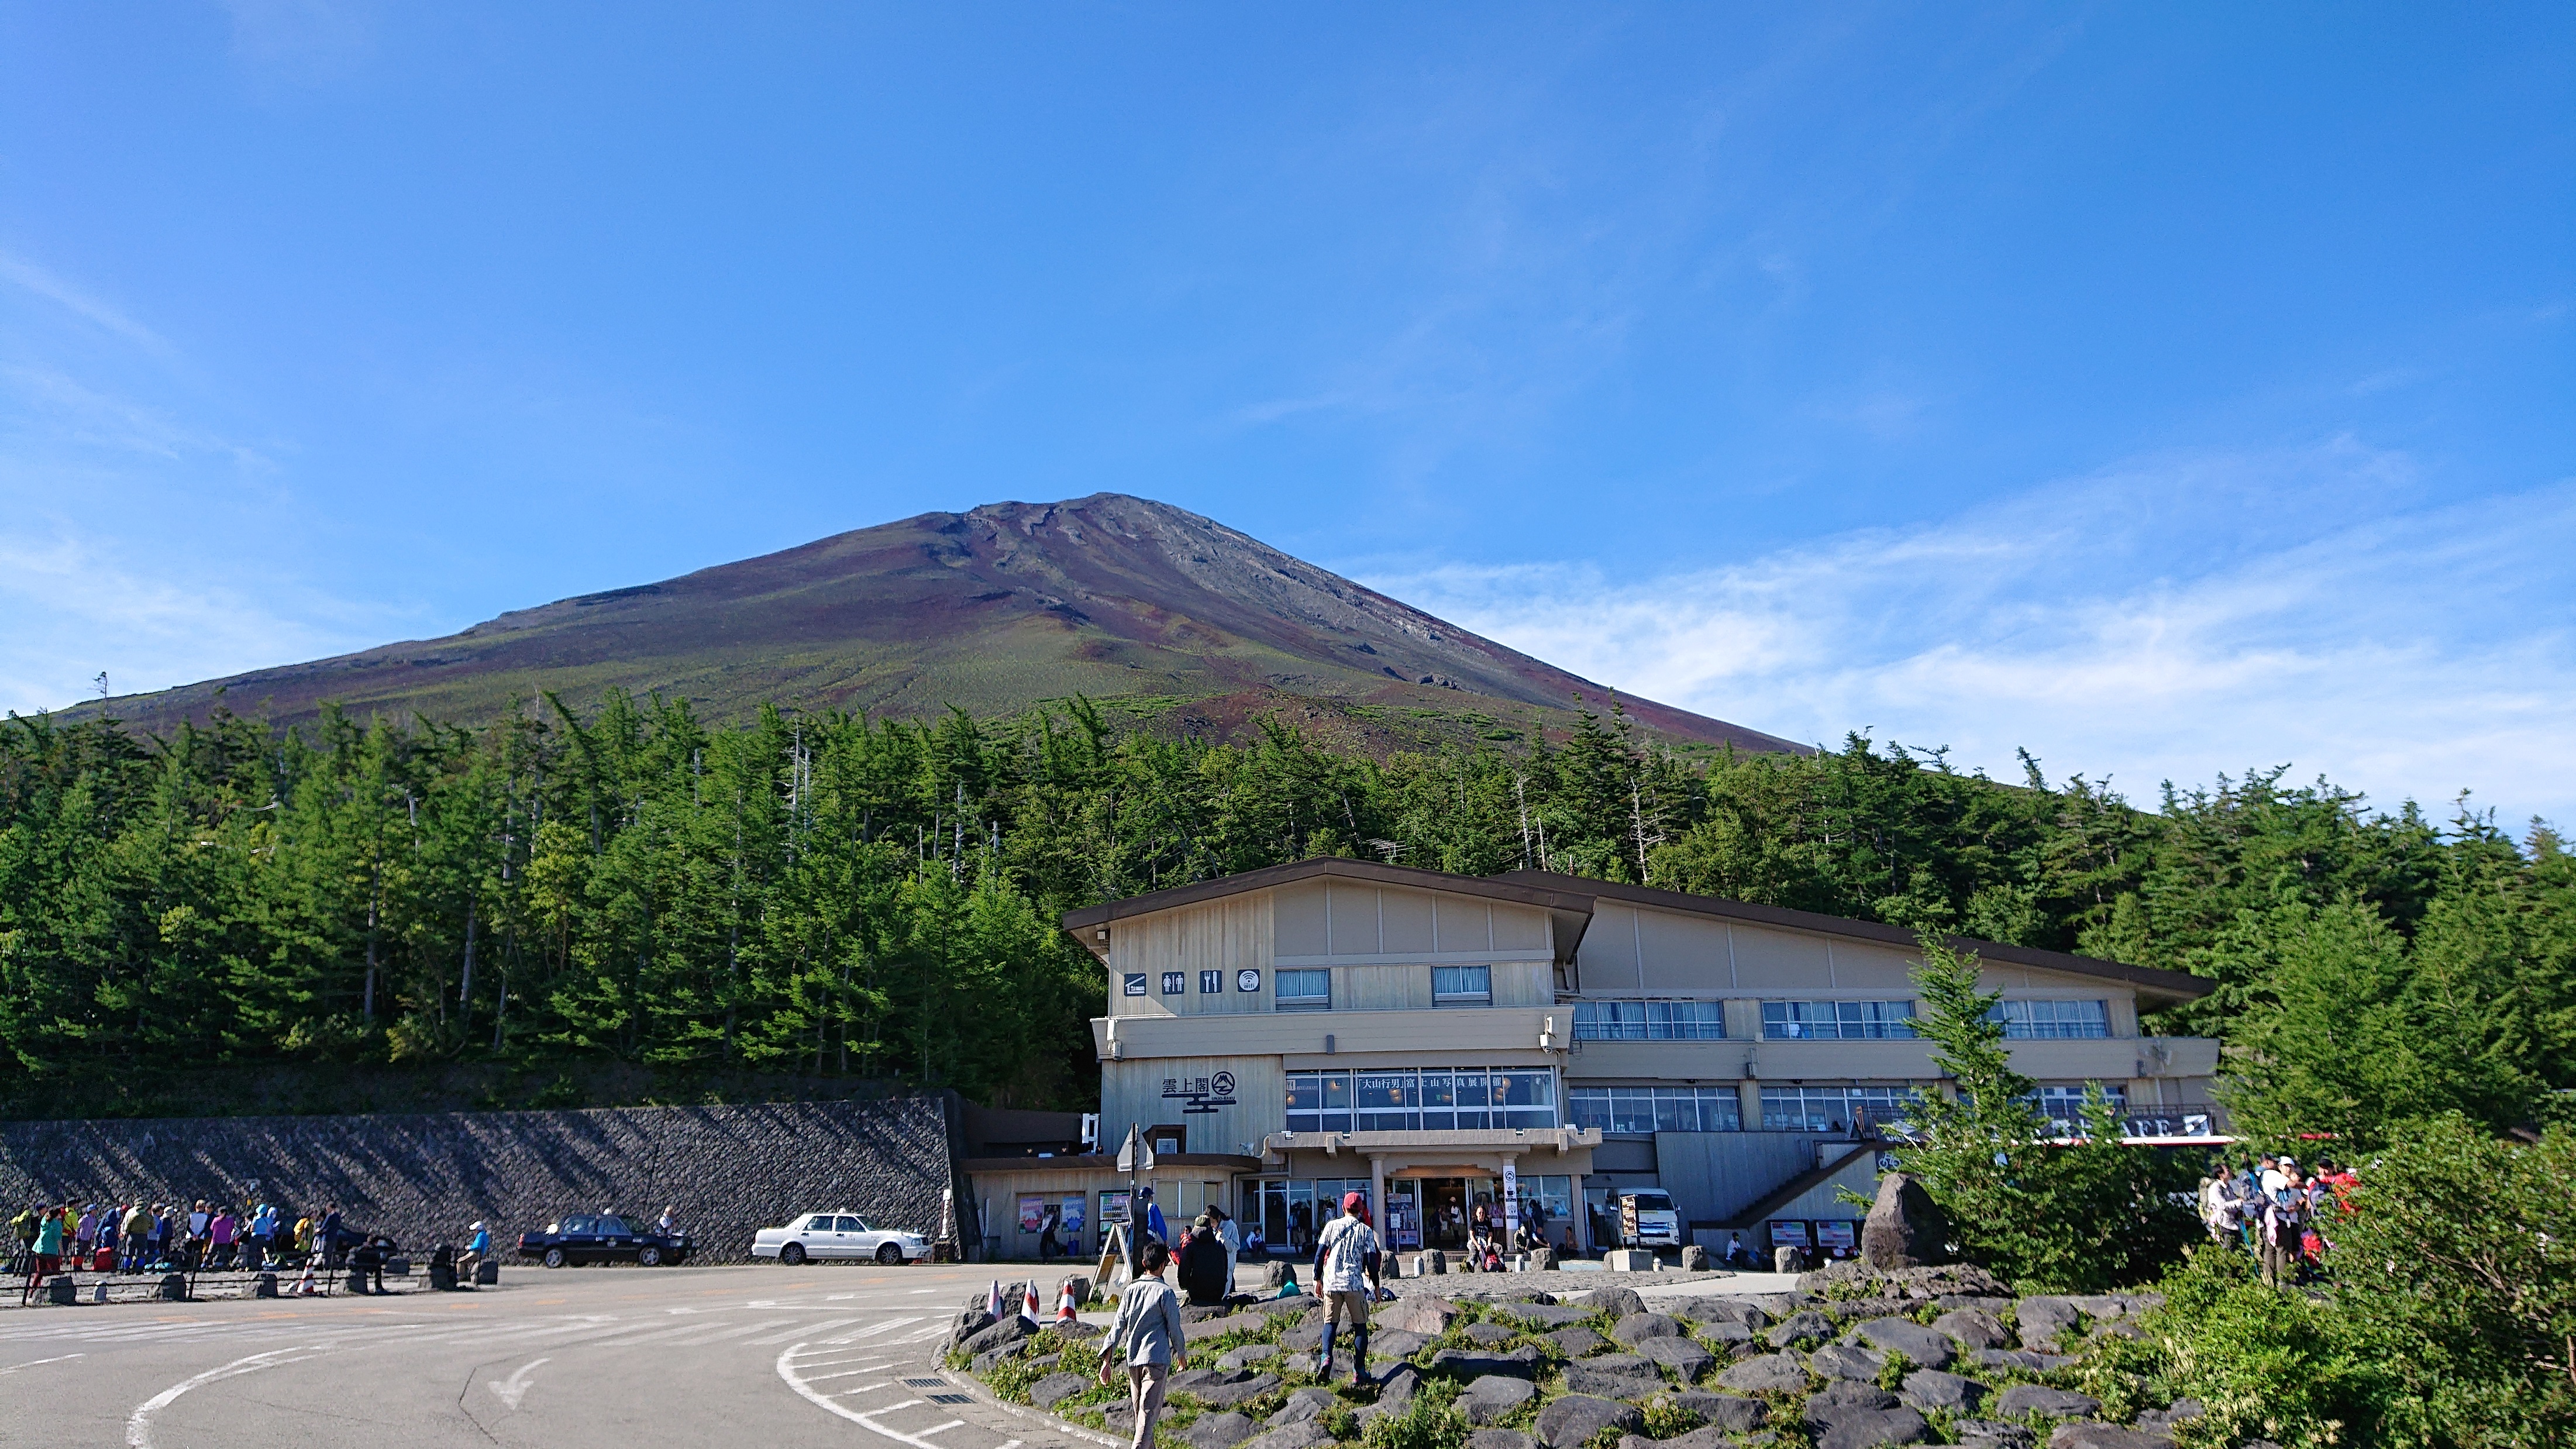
(1511, 1204)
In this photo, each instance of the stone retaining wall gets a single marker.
(730, 1170)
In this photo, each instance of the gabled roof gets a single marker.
(1570, 899)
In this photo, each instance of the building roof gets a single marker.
(1571, 899)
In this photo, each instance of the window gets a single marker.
(2063, 1106)
(1303, 990)
(1462, 985)
(1454, 1100)
(2053, 1018)
(848, 1225)
(1527, 1099)
(1319, 1101)
(614, 1228)
(1834, 1109)
(1387, 1101)
(1843, 1019)
(1439, 1099)
(1655, 1109)
(1649, 1021)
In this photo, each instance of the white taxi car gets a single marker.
(837, 1235)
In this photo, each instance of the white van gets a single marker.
(1647, 1219)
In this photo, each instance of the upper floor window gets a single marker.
(2063, 1106)
(2053, 1018)
(1302, 990)
(1462, 985)
(1655, 1109)
(1783, 1020)
(1649, 1020)
(1834, 1109)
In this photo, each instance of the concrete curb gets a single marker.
(1027, 1414)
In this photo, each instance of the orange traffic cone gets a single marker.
(1064, 1305)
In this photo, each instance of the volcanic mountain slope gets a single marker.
(1144, 606)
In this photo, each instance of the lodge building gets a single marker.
(1289, 1035)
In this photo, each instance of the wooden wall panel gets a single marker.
(1519, 928)
(1780, 960)
(1462, 923)
(1298, 911)
(1404, 922)
(1684, 955)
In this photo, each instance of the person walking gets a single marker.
(1048, 1248)
(1346, 1260)
(1146, 1336)
(1203, 1264)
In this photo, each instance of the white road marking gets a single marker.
(518, 1385)
(31, 1363)
(717, 1332)
(828, 1323)
(874, 1368)
(888, 1326)
(138, 1427)
(937, 1429)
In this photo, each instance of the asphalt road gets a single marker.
(836, 1355)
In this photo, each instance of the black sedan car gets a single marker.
(601, 1238)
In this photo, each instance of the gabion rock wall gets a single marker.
(421, 1179)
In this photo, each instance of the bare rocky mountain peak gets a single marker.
(991, 610)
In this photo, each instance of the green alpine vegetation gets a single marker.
(830, 896)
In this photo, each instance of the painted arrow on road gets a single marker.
(518, 1384)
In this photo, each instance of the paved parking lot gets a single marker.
(836, 1355)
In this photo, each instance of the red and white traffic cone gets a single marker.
(1064, 1305)
(993, 1300)
(1029, 1302)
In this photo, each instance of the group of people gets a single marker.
(141, 1237)
(2277, 1210)
(1147, 1343)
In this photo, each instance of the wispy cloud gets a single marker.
(79, 605)
(2169, 620)
(29, 277)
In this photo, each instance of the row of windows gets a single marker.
(1848, 1020)
(1311, 989)
(1784, 1108)
(1840, 1020)
(1655, 1109)
(1649, 1020)
(1436, 1099)
(2053, 1018)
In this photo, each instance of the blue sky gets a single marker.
(2169, 390)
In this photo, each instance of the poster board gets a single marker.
(1789, 1233)
(1032, 1213)
(1831, 1235)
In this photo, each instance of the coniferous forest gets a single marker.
(830, 897)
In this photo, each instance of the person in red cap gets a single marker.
(1346, 1265)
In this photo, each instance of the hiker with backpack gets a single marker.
(1347, 1264)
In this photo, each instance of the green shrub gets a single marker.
(1668, 1419)
(1422, 1425)
(1891, 1374)
(2448, 1320)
